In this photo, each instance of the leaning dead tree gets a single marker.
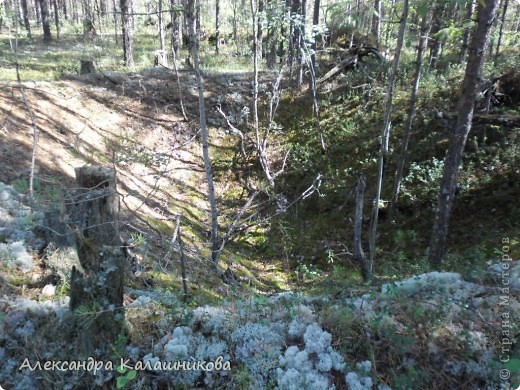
(96, 284)
(353, 58)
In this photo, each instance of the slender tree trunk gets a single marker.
(423, 41)
(97, 13)
(259, 29)
(176, 28)
(385, 134)
(75, 13)
(190, 15)
(315, 22)
(64, 9)
(261, 142)
(301, 43)
(294, 9)
(358, 227)
(272, 35)
(479, 42)
(56, 18)
(389, 25)
(465, 37)
(175, 52)
(502, 22)
(235, 22)
(217, 26)
(116, 28)
(25, 17)
(517, 28)
(436, 44)
(44, 12)
(126, 23)
(377, 22)
(161, 25)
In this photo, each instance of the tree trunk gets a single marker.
(75, 13)
(272, 35)
(56, 18)
(436, 44)
(96, 287)
(217, 26)
(376, 28)
(63, 4)
(470, 84)
(502, 22)
(175, 27)
(114, 8)
(385, 134)
(126, 23)
(25, 17)
(46, 26)
(423, 41)
(358, 226)
(294, 29)
(315, 22)
(465, 37)
(301, 43)
(161, 27)
(190, 15)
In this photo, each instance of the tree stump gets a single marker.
(96, 288)
(159, 58)
(86, 67)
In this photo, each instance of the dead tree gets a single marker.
(355, 56)
(96, 285)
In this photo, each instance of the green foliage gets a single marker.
(87, 314)
(21, 186)
(138, 239)
(64, 288)
(307, 272)
(412, 378)
(125, 376)
(422, 182)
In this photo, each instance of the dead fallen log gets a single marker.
(354, 57)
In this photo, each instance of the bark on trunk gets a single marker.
(358, 226)
(126, 22)
(423, 40)
(25, 17)
(477, 51)
(96, 287)
(465, 37)
(190, 15)
(56, 18)
(161, 29)
(502, 22)
(377, 22)
(46, 26)
(385, 135)
(217, 26)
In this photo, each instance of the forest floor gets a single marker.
(133, 123)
